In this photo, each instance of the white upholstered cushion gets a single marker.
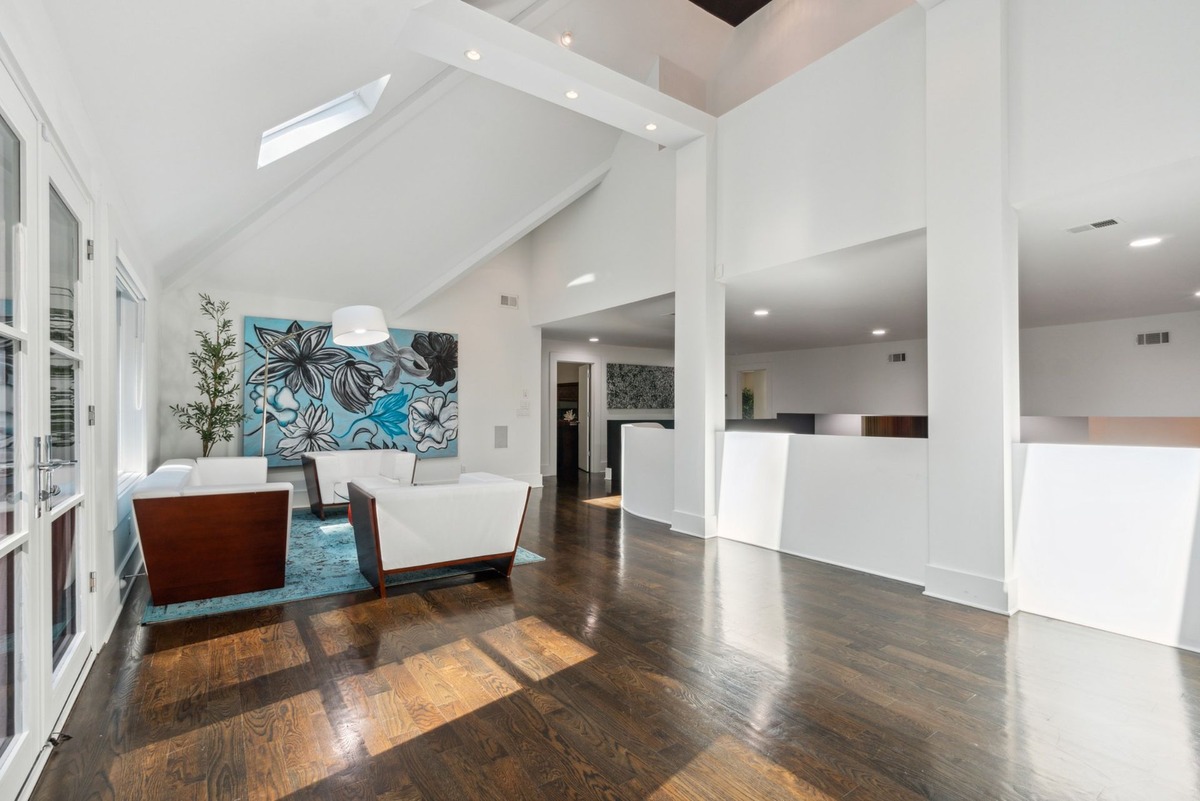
(336, 468)
(220, 470)
(448, 522)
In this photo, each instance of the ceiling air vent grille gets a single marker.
(897, 357)
(1156, 338)
(508, 301)
(1079, 229)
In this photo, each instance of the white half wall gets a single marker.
(1107, 538)
(648, 472)
(831, 157)
(600, 356)
(1099, 90)
(858, 502)
(498, 367)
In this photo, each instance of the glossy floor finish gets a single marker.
(633, 663)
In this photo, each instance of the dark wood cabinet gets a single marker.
(568, 448)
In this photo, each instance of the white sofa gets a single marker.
(398, 529)
(326, 473)
(212, 527)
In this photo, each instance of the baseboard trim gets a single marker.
(694, 525)
(855, 568)
(970, 589)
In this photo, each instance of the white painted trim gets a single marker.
(646, 517)
(35, 773)
(694, 525)
(970, 589)
(844, 565)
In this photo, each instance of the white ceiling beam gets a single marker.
(446, 29)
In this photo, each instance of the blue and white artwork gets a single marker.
(401, 393)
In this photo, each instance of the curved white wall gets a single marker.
(648, 472)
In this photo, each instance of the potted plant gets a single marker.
(219, 410)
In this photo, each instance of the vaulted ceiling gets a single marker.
(447, 169)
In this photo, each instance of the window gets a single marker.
(286, 138)
(131, 383)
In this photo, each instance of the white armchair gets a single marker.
(398, 529)
(326, 473)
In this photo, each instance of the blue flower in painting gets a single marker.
(281, 404)
(303, 362)
(312, 431)
(432, 422)
(391, 413)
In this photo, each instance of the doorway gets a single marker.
(45, 526)
(752, 395)
(573, 420)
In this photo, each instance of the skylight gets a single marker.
(287, 138)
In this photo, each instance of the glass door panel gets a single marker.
(10, 215)
(64, 271)
(64, 589)
(9, 475)
(61, 445)
(9, 637)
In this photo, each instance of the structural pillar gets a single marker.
(974, 407)
(699, 341)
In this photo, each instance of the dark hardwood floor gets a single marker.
(633, 663)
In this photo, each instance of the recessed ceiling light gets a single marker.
(566, 38)
(594, 339)
(651, 126)
(1198, 294)
(473, 55)
(1145, 243)
(572, 94)
(879, 332)
(761, 312)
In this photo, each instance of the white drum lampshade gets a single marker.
(359, 325)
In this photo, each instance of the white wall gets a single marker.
(621, 232)
(1099, 90)
(854, 379)
(832, 157)
(498, 366)
(1098, 370)
(1081, 370)
(599, 355)
(786, 36)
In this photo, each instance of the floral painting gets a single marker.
(319, 396)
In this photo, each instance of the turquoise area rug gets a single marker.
(321, 561)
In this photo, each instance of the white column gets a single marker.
(699, 341)
(973, 336)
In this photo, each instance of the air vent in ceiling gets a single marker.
(1156, 338)
(897, 357)
(1079, 229)
(508, 301)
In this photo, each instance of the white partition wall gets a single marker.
(1107, 537)
(648, 471)
(858, 502)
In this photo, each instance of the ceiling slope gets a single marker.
(476, 169)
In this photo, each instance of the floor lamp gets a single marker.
(352, 325)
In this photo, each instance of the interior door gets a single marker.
(61, 444)
(21, 715)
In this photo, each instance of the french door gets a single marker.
(45, 223)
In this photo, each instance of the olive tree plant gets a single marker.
(219, 410)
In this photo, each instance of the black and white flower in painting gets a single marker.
(311, 431)
(303, 362)
(356, 384)
(440, 352)
(432, 422)
(402, 361)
